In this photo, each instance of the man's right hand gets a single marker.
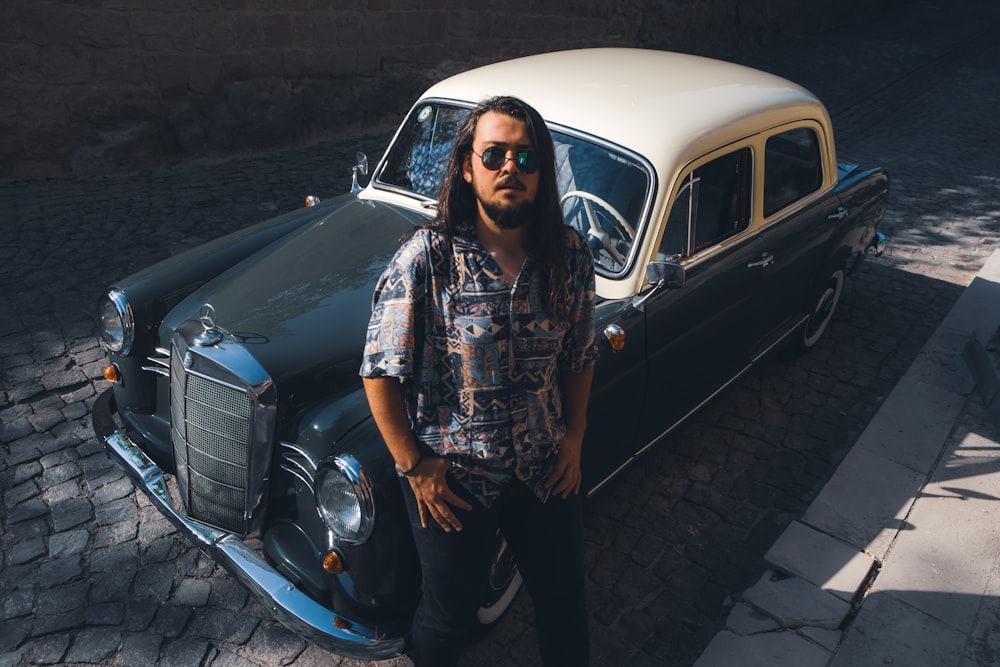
(430, 487)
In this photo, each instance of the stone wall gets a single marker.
(100, 86)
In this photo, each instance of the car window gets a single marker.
(712, 205)
(603, 191)
(602, 195)
(419, 155)
(792, 168)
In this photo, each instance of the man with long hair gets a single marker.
(477, 366)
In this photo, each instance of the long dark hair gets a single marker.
(545, 238)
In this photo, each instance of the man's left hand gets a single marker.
(565, 478)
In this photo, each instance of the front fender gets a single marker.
(380, 579)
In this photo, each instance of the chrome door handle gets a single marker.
(839, 215)
(766, 259)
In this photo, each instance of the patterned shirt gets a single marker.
(479, 360)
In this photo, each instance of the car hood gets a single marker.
(301, 306)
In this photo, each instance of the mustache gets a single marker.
(510, 182)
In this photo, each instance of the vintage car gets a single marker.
(722, 225)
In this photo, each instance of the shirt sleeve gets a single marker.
(394, 330)
(580, 348)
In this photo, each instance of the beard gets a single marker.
(509, 217)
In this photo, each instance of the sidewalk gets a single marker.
(897, 561)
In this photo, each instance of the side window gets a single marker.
(792, 168)
(712, 205)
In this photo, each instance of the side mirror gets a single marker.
(360, 168)
(671, 274)
(660, 274)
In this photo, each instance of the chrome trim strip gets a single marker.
(299, 475)
(292, 607)
(161, 360)
(311, 464)
(301, 464)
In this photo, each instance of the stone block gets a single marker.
(61, 599)
(796, 603)
(64, 492)
(26, 551)
(110, 586)
(870, 520)
(17, 603)
(771, 649)
(888, 631)
(59, 571)
(29, 509)
(115, 558)
(140, 649)
(69, 543)
(171, 620)
(745, 620)
(247, 33)
(50, 650)
(20, 493)
(192, 592)
(277, 30)
(825, 561)
(912, 425)
(223, 625)
(93, 646)
(70, 512)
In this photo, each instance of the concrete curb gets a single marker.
(825, 565)
(983, 360)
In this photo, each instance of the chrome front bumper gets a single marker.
(289, 605)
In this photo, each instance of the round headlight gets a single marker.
(344, 499)
(117, 327)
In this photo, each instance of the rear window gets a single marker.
(792, 168)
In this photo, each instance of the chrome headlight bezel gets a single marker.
(116, 323)
(344, 499)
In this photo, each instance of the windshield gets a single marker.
(603, 191)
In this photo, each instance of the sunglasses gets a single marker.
(494, 157)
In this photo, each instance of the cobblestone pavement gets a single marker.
(91, 574)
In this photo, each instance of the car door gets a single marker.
(697, 334)
(797, 226)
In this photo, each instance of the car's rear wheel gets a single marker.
(502, 587)
(822, 312)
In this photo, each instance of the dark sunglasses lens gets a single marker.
(527, 162)
(493, 158)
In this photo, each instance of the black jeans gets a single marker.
(547, 542)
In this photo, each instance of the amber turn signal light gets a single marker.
(111, 373)
(332, 563)
(615, 336)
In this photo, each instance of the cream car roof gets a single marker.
(668, 107)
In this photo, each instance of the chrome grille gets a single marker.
(215, 413)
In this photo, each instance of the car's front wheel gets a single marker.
(822, 312)
(502, 587)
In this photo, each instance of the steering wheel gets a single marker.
(595, 229)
